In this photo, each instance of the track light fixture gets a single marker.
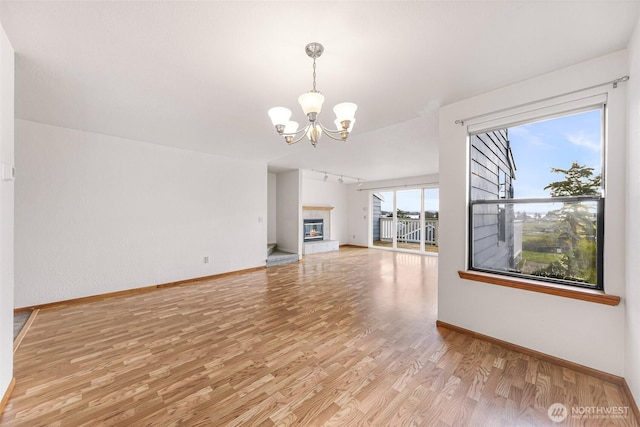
(340, 178)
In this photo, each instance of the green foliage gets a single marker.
(540, 257)
(548, 250)
(579, 181)
(575, 228)
(402, 214)
(577, 265)
(542, 243)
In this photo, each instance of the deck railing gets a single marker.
(408, 230)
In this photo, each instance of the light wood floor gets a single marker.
(404, 245)
(343, 338)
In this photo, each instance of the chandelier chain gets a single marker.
(314, 74)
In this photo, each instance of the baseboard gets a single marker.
(86, 299)
(6, 396)
(24, 330)
(542, 356)
(349, 245)
(136, 290)
(214, 276)
(634, 405)
(605, 376)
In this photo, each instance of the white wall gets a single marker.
(317, 192)
(289, 211)
(359, 206)
(6, 213)
(632, 336)
(98, 214)
(583, 332)
(272, 213)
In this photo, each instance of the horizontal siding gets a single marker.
(495, 259)
(377, 213)
(486, 231)
(487, 242)
(489, 155)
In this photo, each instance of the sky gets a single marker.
(557, 143)
(409, 200)
(537, 147)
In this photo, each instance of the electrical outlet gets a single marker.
(206, 260)
(8, 172)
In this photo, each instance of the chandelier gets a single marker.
(311, 103)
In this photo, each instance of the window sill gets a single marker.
(590, 295)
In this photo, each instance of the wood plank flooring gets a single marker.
(340, 339)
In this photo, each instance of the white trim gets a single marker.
(614, 84)
(537, 111)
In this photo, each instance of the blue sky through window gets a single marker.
(557, 143)
(536, 147)
(409, 200)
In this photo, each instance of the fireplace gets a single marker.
(313, 230)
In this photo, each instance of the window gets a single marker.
(502, 224)
(546, 221)
(502, 189)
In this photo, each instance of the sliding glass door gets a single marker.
(431, 218)
(405, 219)
(408, 220)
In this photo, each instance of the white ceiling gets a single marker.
(202, 75)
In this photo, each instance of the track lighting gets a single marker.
(340, 178)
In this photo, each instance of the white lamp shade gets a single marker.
(345, 111)
(279, 115)
(290, 128)
(339, 124)
(311, 102)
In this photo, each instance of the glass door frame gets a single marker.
(394, 192)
